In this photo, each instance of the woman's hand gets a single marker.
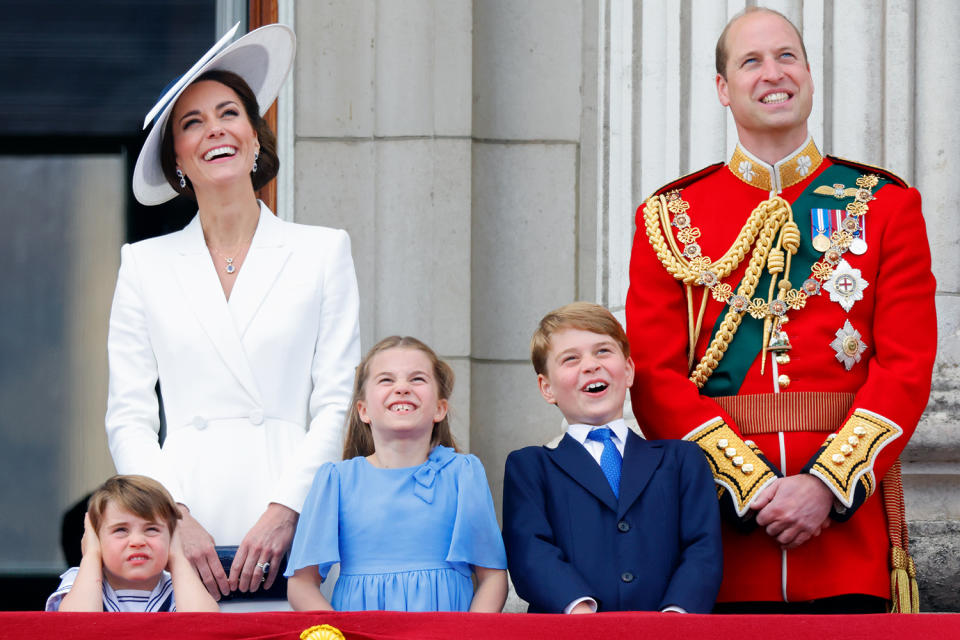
(266, 542)
(198, 547)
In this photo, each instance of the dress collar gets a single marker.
(789, 171)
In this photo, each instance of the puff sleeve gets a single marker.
(317, 540)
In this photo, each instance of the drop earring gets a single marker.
(256, 156)
(183, 182)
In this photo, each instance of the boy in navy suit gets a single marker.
(601, 519)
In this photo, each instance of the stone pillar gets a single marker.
(932, 460)
(526, 130)
(383, 114)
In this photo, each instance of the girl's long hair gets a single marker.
(359, 438)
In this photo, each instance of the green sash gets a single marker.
(748, 341)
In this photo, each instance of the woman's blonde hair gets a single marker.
(359, 439)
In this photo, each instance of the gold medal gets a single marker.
(821, 242)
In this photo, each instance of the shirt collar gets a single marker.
(579, 431)
(791, 170)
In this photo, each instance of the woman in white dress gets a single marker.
(249, 323)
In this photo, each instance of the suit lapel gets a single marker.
(640, 460)
(266, 258)
(204, 296)
(574, 460)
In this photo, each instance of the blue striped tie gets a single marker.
(610, 459)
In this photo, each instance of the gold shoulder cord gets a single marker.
(760, 231)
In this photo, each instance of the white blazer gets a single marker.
(255, 389)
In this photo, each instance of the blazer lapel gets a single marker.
(640, 460)
(263, 264)
(204, 296)
(577, 463)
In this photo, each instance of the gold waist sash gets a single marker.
(797, 411)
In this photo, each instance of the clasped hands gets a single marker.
(266, 542)
(793, 509)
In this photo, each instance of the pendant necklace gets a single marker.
(231, 268)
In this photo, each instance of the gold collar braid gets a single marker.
(787, 172)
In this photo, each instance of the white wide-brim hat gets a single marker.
(262, 58)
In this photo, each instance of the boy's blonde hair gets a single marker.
(359, 439)
(576, 315)
(142, 496)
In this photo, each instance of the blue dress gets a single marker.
(406, 537)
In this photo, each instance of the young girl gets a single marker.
(407, 517)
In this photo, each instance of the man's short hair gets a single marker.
(140, 495)
(576, 315)
(721, 51)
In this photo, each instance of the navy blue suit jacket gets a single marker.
(567, 535)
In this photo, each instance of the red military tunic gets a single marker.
(889, 345)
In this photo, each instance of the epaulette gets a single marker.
(688, 179)
(892, 177)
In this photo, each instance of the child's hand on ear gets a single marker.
(90, 543)
(175, 554)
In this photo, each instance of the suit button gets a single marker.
(199, 422)
(256, 417)
(623, 526)
(626, 576)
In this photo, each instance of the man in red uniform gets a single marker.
(781, 308)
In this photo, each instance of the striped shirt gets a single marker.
(160, 599)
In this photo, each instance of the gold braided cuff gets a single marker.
(848, 458)
(736, 465)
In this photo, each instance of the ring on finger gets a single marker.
(265, 569)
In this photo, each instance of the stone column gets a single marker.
(383, 113)
(526, 130)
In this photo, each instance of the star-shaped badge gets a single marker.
(848, 345)
(845, 285)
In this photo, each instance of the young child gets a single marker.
(406, 516)
(601, 519)
(129, 538)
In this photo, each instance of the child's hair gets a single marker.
(140, 495)
(576, 315)
(359, 439)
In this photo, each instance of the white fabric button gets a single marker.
(199, 422)
(256, 417)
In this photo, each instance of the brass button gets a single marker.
(722, 443)
(783, 380)
(747, 469)
(838, 458)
